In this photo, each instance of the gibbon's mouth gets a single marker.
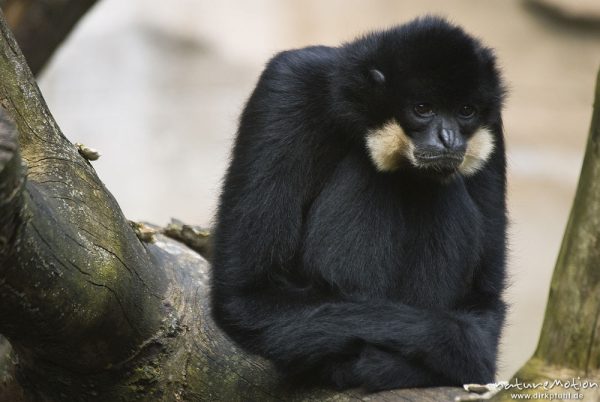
(443, 163)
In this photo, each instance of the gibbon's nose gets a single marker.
(451, 140)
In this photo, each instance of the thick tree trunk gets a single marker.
(569, 345)
(91, 311)
(40, 26)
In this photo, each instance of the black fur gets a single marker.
(340, 273)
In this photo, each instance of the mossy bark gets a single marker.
(569, 345)
(93, 313)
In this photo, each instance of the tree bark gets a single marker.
(91, 311)
(569, 344)
(40, 26)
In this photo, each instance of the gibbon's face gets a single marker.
(434, 138)
(437, 95)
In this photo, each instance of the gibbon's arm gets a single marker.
(452, 346)
(272, 173)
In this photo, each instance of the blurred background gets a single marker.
(158, 86)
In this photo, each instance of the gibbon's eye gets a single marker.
(467, 111)
(423, 110)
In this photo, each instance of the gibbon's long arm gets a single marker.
(275, 172)
(454, 347)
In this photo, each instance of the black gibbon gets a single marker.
(360, 235)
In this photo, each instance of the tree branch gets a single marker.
(569, 345)
(62, 219)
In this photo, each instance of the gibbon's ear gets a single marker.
(376, 76)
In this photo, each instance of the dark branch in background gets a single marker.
(573, 16)
(40, 26)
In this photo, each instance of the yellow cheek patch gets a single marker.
(479, 149)
(388, 146)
